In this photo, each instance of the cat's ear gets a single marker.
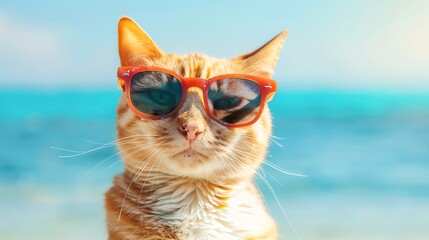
(134, 43)
(263, 60)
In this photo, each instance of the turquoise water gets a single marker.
(366, 156)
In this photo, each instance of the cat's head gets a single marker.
(189, 143)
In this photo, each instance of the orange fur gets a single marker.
(203, 193)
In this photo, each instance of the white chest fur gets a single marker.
(205, 211)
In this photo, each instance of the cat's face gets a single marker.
(189, 143)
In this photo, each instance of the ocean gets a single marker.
(365, 156)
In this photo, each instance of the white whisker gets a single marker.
(277, 143)
(272, 165)
(279, 205)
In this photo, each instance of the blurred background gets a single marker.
(352, 111)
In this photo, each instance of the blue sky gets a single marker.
(332, 45)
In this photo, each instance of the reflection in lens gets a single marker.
(155, 93)
(234, 100)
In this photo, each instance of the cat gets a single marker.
(169, 192)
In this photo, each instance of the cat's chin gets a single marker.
(191, 163)
(190, 154)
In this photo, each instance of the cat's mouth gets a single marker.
(189, 153)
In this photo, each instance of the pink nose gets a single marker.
(191, 129)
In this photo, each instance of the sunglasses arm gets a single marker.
(122, 74)
(272, 88)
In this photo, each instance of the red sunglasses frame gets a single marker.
(125, 75)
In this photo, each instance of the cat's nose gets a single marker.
(191, 129)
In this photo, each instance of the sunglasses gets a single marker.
(233, 100)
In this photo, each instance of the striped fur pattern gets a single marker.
(175, 188)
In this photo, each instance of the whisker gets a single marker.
(263, 197)
(117, 161)
(103, 146)
(147, 176)
(93, 142)
(279, 205)
(275, 137)
(272, 165)
(129, 186)
(65, 150)
(277, 143)
(271, 189)
(137, 175)
(106, 159)
(80, 153)
(275, 179)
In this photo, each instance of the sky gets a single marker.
(332, 45)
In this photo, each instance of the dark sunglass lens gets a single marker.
(155, 93)
(234, 100)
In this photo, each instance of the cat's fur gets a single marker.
(169, 192)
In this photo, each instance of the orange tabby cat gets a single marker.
(187, 176)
